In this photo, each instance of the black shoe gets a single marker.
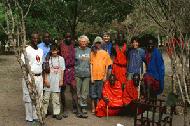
(46, 115)
(84, 111)
(29, 123)
(74, 111)
(81, 115)
(58, 117)
(65, 115)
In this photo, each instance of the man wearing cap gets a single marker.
(99, 60)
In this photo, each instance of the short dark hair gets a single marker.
(54, 46)
(33, 33)
(135, 38)
(150, 39)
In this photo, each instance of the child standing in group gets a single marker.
(54, 81)
(135, 57)
(100, 60)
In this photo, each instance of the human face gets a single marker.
(98, 45)
(54, 52)
(150, 46)
(46, 38)
(106, 38)
(35, 39)
(83, 43)
(135, 44)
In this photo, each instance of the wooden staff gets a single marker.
(139, 87)
(107, 111)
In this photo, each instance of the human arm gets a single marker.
(46, 82)
(62, 64)
(106, 100)
(108, 63)
(91, 67)
(61, 78)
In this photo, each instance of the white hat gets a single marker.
(97, 39)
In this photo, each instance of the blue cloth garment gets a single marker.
(156, 68)
(135, 60)
(45, 49)
(108, 47)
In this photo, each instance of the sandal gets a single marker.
(80, 115)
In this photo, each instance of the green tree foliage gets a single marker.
(61, 16)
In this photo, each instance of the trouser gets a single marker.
(130, 76)
(73, 91)
(29, 107)
(55, 102)
(96, 90)
(82, 90)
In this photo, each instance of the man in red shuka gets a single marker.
(112, 98)
(130, 94)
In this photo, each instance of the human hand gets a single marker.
(92, 81)
(106, 100)
(104, 79)
(46, 84)
(60, 83)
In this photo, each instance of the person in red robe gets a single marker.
(120, 60)
(111, 103)
(130, 94)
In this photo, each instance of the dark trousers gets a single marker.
(73, 91)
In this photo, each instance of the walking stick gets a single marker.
(107, 111)
(139, 88)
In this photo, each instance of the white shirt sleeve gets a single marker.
(22, 58)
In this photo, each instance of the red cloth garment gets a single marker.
(130, 92)
(150, 81)
(114, 94)
(68, 53)
(120, 64)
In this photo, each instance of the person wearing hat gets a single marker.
(99, 62)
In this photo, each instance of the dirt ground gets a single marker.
(12, 112)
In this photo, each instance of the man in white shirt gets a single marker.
(34, 56)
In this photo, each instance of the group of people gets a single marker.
(109, 73)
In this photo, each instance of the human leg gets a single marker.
(79, 88)
(73, 90)
(56, 105)
(84, 94)
(28, 109)
(46, 98)
(93, 96)
(27, 102)
(99, 84)
(63, 102)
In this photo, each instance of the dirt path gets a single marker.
(12, 111)
(12, 107)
